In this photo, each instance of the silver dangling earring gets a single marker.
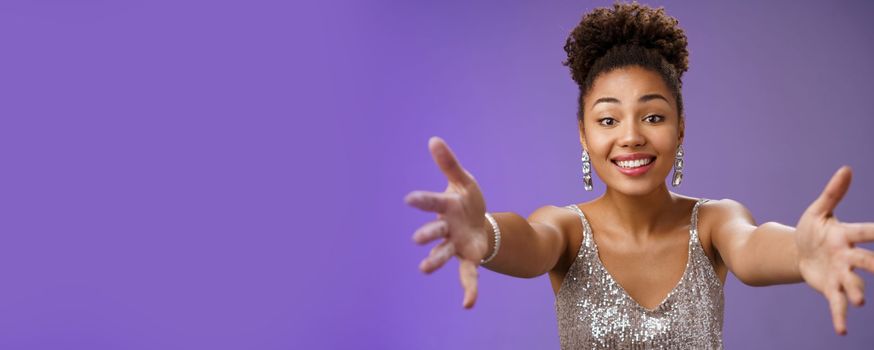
(678, 168)
(587, 171)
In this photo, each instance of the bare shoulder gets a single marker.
(713, 216)
(566, 222)
(719, 212)
(559, 218)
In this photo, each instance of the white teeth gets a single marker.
(633, 163)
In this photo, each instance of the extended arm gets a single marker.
(529, 248)
(820, 250)
(758, 255)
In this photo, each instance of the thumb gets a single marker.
(447, 162)
(833, 193)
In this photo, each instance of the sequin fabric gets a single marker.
(594, 312)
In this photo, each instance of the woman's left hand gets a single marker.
(828, 253)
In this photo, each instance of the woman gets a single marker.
(639, 266)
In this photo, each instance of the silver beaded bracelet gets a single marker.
(497, 231)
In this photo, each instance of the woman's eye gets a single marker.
(607, 121)
(654, 118)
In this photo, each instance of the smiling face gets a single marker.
(631, 129)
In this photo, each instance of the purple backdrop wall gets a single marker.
(230, 174)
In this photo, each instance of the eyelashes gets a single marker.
(654, 116)
(652, 119)
(606, 121)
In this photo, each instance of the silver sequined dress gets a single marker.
(594, 312)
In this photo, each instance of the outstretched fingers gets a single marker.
(837, 303)
(861, 258)
(860, 232)
(431, 231)
(439, 255)
(833, 193)
(854, 286)
(468, 274)
(437, 202)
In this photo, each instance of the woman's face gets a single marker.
(631, 129)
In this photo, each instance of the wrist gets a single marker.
(493, 238)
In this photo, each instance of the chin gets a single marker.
(636, 189)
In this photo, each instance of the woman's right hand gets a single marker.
(460, 220)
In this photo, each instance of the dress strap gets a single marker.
(587, 230)
(693, 228)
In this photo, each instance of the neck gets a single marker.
(639, 215)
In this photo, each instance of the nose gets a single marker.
(631, 136)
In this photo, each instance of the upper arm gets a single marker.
(546, 222)
(731, 225)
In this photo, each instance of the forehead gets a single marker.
(627, 84)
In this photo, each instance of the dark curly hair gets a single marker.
(627, 35)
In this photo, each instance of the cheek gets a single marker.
(664, 141)
(668, 154)
(599, 148)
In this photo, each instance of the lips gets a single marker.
(634, 164)
(632, 156)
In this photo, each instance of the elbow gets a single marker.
(752, 282)
(534, 273)
(751, 277)
(526, 274)
(744, 274)
(531, 276)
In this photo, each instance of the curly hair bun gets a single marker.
(625, 25)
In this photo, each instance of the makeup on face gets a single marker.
(630, 125)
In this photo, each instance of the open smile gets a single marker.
(634, 167)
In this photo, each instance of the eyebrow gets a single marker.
(642, 99)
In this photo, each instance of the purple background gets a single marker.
(230, 174)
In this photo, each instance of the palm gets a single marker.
(828, 253)
(464, 213)
(460, 209)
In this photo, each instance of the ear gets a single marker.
(583, 136)
(682, 130)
